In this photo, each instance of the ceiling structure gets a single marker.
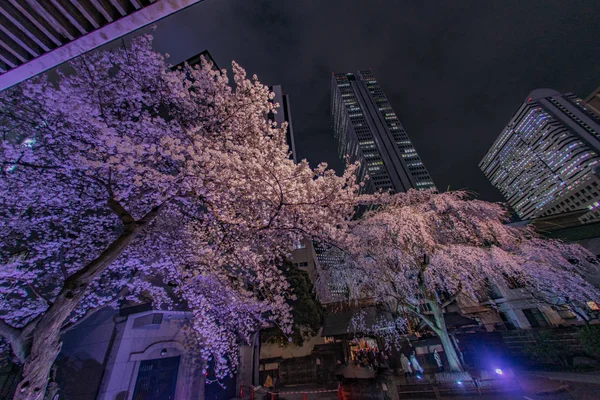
(37, 35)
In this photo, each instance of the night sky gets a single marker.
(454, 71)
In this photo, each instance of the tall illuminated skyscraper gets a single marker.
(545, 160)
(369, 131)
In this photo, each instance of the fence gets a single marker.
(545, 347)
(474, 387)
(253, 393)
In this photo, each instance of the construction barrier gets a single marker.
(250, 391)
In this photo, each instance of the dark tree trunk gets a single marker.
(442, 331)
(46, 340)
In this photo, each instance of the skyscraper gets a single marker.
(197, 60)
(369, 131)
(544, 160)
(284, 114)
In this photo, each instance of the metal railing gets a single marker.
(251, 392)
(476, 386)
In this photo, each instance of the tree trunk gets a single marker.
(202, 387)
(442, 331)
(46, 343)
(45, 346)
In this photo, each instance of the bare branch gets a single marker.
(453, 297)
(30, 286)
(121, 212)
(9, 332)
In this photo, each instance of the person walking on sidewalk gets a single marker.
(415, 365)
(406, 367)
(438, 361)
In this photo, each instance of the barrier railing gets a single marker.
(251, 392)
(475, 386)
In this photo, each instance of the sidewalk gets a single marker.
(581, 377)
(538, 385)
(295, 392)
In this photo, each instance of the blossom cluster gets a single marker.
(122, 141)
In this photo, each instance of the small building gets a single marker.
(138, 352)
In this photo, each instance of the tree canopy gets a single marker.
(416, 252)
(124, 175)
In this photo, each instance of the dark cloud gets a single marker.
(453, 71)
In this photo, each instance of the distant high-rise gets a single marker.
(197, 60)
(284, 114)
(369, 131)
(592, 103)
(544, 161)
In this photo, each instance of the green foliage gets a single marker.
(306, 309)
(590, 340)
(547, 351)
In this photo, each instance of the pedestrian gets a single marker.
(365, 361)
(393, 363)
(405, 363)
(415, 364)
(371, 358)
(438, 361)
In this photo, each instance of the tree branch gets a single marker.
(453, 297)
(9, 332)
(91, 311)
(132, 227)
(121, 212)
(17, 338)
(35, 292)
(423, 317)
(29, 165)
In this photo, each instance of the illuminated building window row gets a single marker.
(357, 91)
(539, 161)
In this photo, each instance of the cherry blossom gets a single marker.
(125, 177)
(418, 251)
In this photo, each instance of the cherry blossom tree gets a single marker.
(127, 178)
(416, 252)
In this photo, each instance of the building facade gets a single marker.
(368, 130)
(284, 114)
(197, 60)
(592, 102)
(546, 159)
(142, 353)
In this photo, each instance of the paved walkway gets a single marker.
(535, 385)
(313, 392)
(538, 387)
(581, 377)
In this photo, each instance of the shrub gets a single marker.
(590, 340)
